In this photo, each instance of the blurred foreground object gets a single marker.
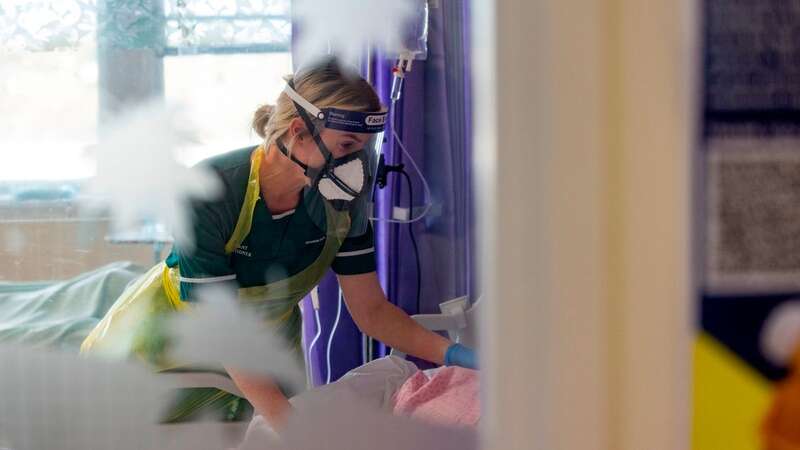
(782, 424)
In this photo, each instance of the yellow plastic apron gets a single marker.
(132, 325)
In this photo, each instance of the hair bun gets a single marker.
(261, 119)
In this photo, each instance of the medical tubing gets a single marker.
(414, 241)
(425, 186)
(330, 337)
(314, 341)
(303, 343)
(397, 83)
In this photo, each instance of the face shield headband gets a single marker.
(338, 119)
(335, 119)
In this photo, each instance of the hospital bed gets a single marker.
(373, 384)
(60, 314)
(458, 318)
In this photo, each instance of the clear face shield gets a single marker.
(341, 184)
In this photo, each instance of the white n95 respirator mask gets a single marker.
(346, 182)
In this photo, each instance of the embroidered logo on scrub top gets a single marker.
(242, 250)
(315, 241)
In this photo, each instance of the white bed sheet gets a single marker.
(373, 384)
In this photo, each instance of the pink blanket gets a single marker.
(451, 396)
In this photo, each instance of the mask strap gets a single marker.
(347, 158)
(341, 184)
(286, 152)
(301, 111)
(332, 176)
(305, 104)
(299, 103)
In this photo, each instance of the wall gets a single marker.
(50, 241)
(583, 137)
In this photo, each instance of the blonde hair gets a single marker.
(325, 86)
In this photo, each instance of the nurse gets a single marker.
(295, 206)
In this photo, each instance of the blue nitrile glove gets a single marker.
(458, 355)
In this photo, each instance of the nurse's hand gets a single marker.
(458, 355)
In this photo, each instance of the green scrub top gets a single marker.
(277, 247)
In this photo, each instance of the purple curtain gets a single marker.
(433, 120)
(339, 345)
(434, 124)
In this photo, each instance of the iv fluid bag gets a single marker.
(415, 36)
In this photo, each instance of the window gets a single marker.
(220, 59)
(67, 66)
(221, 93)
